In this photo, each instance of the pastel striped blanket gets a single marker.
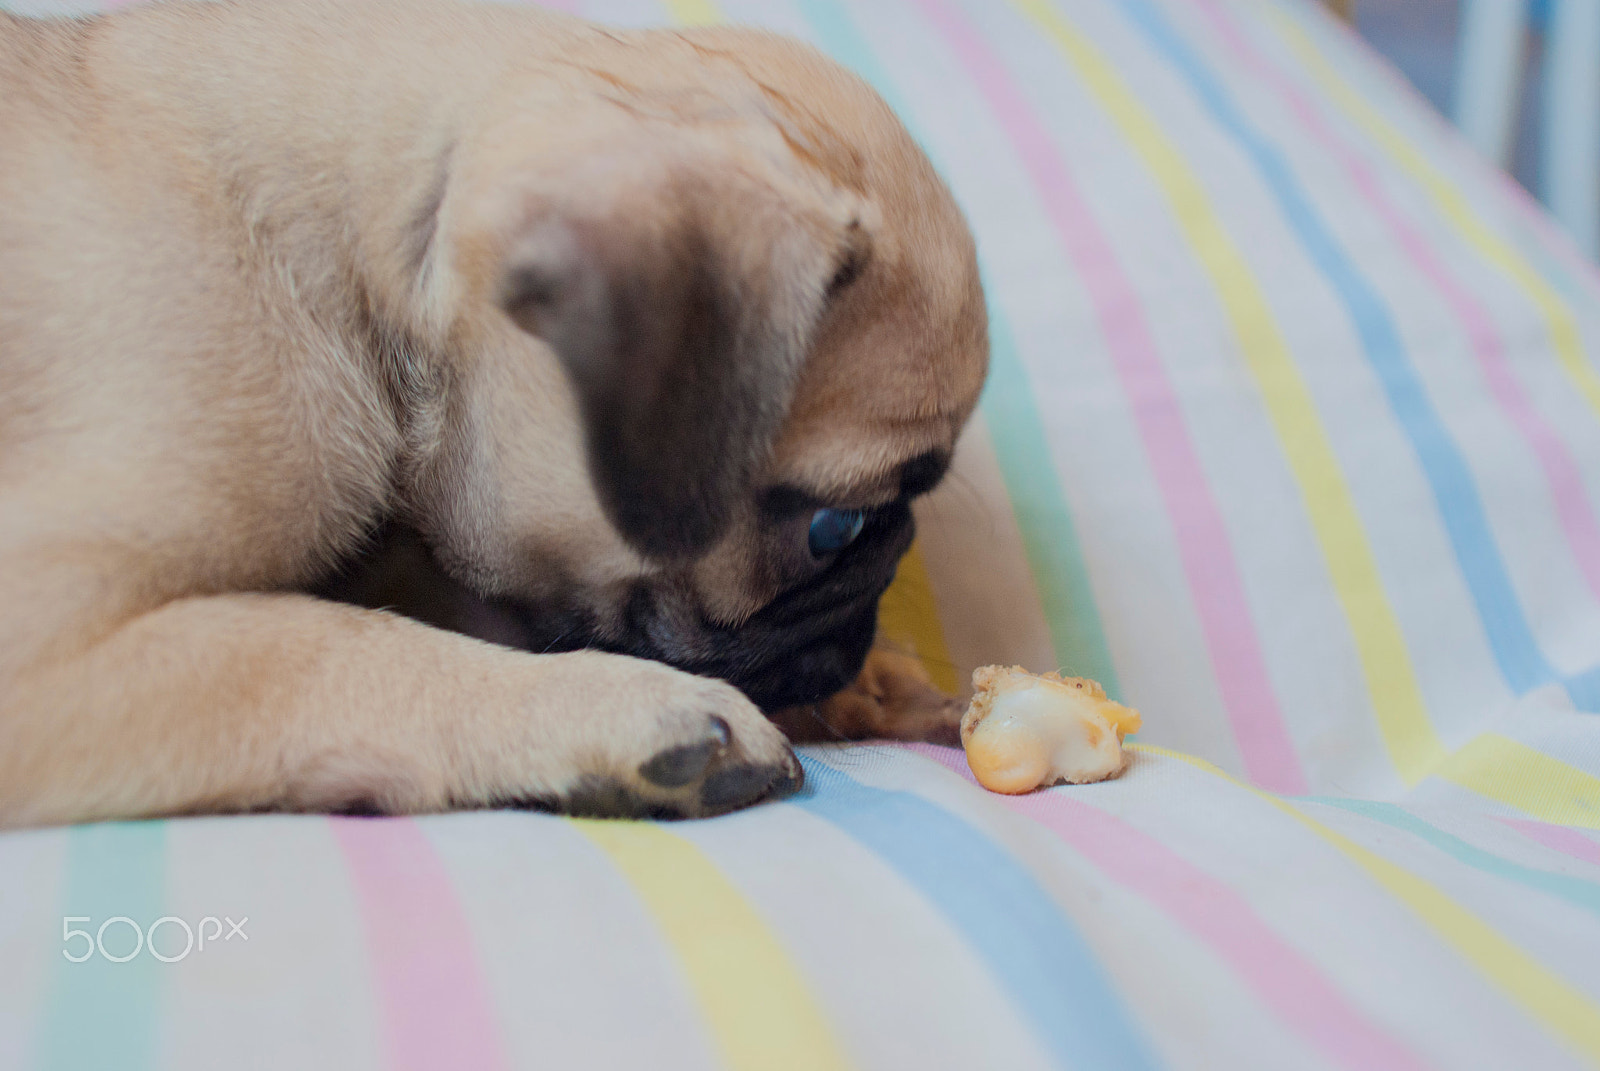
(1292, 439)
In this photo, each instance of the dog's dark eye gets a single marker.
(834, 529)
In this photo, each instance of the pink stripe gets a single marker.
(436, 1011)
(1573, 509)
(1560, 838)
(1281, 977)
(1203, 545)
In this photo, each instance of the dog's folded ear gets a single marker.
(682, 321)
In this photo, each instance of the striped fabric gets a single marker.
(1292, 439)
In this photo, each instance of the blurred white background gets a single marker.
(1522, 80)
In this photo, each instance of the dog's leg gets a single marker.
(242, 702)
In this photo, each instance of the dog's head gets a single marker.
(713, 322)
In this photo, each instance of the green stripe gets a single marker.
(1576, 891)
(1021, 446)
(101, 1014)
(1043, 517)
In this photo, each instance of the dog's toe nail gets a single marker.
(791, 780)
(677, 766)
(735, 786)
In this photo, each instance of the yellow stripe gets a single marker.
(908, 617)
(1515, 774)
(1542, 994)
(759, 1009)
(694, 12)
(1397, 700)
(1559, 322)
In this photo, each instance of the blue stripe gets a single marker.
(103, 1014)
(1033, 950)
(1016, 431)
(1576, 891)
(1511, 640)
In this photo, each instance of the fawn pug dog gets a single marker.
(646, 338)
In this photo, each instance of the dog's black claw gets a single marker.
(792, 779)
(734, 786)
(678, 766)
(739, 785)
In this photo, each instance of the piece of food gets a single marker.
(1024, 731)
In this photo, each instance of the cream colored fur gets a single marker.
(250, 260)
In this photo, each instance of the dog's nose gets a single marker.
(791, 672)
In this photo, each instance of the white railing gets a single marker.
(1493, 44)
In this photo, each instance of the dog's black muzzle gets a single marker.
(806, 644)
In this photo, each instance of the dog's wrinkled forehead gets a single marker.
(747, 270)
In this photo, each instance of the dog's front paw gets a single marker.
(625, 738)
(583, 733)
(721, 757)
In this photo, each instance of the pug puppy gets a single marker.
(645, 341)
